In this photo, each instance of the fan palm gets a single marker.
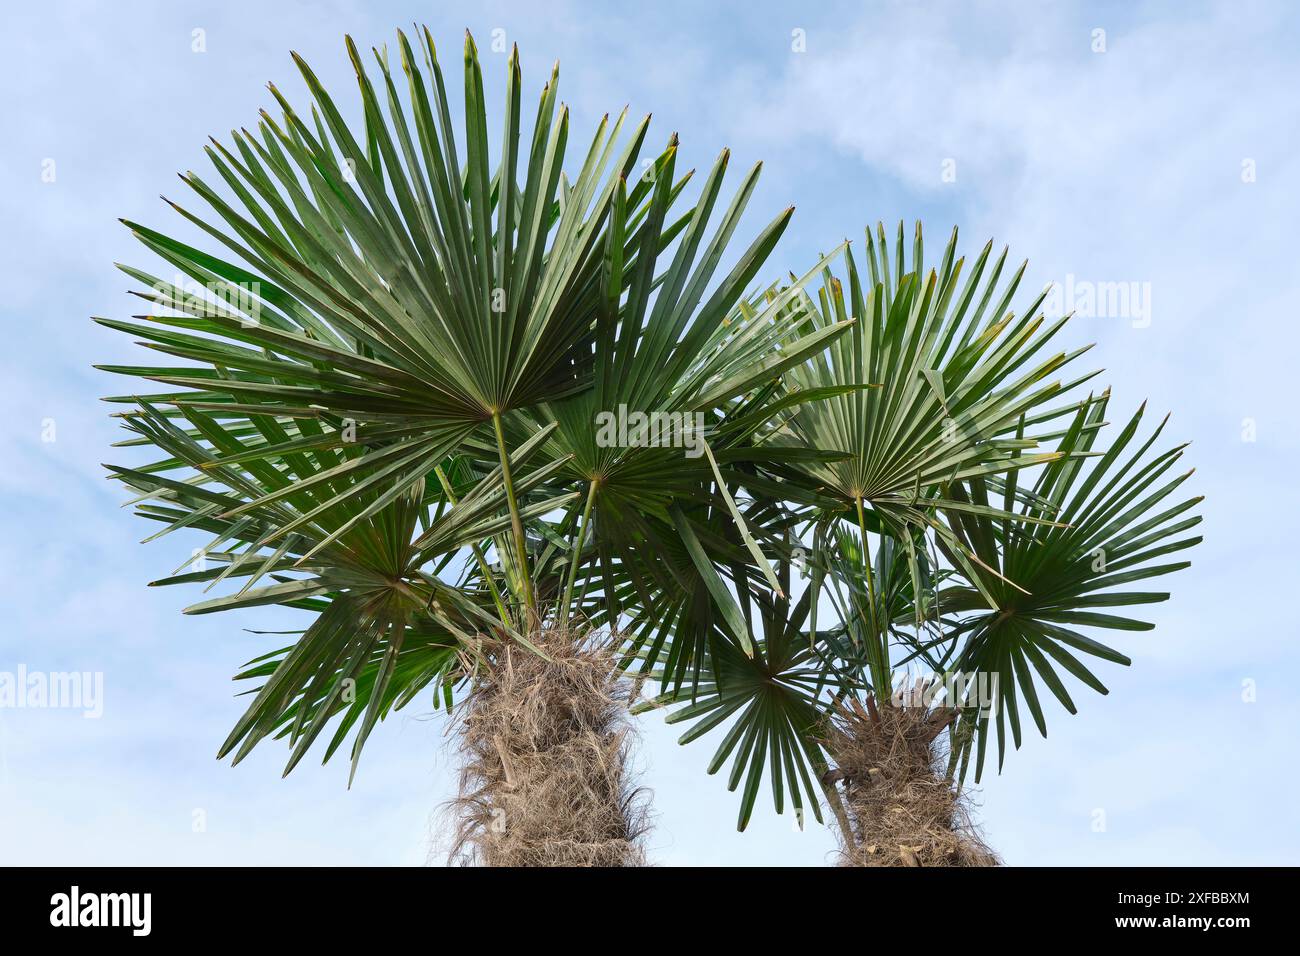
(385, 410)
(967, 520)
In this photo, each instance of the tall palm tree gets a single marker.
(385, 410)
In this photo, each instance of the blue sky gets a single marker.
(1169, 160)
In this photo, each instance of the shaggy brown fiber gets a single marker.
(902, 809)
(545, 747)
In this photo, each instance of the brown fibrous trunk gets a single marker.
(545, 746)
(901, 807)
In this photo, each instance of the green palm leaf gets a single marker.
(1115, 527)
(402, 285)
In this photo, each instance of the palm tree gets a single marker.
(969, 520)
(385, 417)
(510, 439)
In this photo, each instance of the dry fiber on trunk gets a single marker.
(545, 748)
(902, 809)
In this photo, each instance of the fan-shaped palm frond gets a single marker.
(330, 541)
(382, 279)
(1112, 526)
(773, 698)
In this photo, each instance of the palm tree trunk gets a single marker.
(902, 809)
(545, 746)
